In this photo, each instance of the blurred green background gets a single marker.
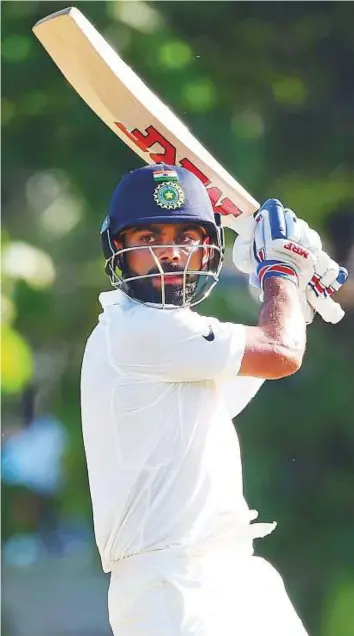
(269, 88)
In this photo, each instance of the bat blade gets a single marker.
(134, 113)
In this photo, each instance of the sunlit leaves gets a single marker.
(338, 614)
(26, 262)
(15, 48)
(8, 111)
(16, 361)
(200, 95)
(174, 55)
(315, 196)
(289, 90)
(138, 14)
(248, 124)
(58, 209)
(34, 103)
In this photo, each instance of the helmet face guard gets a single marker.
(194, 287)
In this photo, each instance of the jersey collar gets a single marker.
(114, 297)
(118, 297)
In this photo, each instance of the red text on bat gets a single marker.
(145, 141)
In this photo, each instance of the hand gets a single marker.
(315, 296)
(242, 253)
(280, 246)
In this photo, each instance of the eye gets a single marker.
(147, 238)
(190, 239)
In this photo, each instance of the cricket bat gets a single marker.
(138, 117)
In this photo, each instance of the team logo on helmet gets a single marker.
(169, 195)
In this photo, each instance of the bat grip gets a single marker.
(328, 309)
(244, 226)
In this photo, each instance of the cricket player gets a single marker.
(160, 386)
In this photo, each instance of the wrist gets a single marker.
(269, 270)
(278, 287)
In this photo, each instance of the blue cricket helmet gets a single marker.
(158, 193)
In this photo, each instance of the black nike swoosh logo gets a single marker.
(211, 335)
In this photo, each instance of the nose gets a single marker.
(170, 254)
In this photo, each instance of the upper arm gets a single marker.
(182, 346)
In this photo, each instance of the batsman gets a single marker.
(160, 387)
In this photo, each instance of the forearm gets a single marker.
(275, 348)
(281, 317)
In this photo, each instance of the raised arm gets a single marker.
(183, 346)
(275, 348)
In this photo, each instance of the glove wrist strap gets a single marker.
(276, 269)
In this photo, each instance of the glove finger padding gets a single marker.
(340, 280)
(325, 275)
(305, 235)
(279, 231)
(293, 226)
(328, 278)
(327, 269)
(311, 239)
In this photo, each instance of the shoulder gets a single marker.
(169, 321)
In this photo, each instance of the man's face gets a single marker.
(174, 245)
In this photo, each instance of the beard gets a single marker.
(145, 291)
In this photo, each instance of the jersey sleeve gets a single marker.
(181, 346)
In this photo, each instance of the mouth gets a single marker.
(169, 278)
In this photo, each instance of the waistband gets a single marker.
(241, 545)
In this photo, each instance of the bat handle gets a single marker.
(328, 309)
(243, 225)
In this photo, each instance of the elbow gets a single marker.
(285, 362)
(272, 362)
(271, 358)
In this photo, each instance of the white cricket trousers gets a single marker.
(166, 593)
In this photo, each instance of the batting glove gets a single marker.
(327, 279)
(315, 296)
(278, 248)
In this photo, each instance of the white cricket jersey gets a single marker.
(158, 390)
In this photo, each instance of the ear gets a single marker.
(119, 244)
(208, 253)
